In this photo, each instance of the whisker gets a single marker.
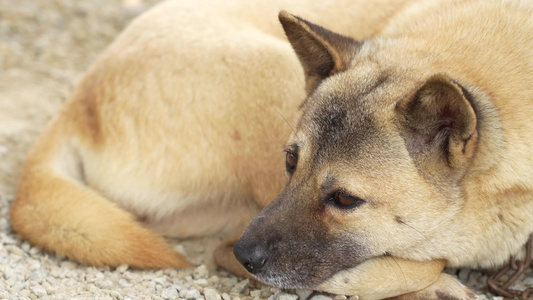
(399, 266)
(281, 115)
(420, 233)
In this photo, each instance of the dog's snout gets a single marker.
(253, 257)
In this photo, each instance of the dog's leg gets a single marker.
(445, 288)
(386, 277)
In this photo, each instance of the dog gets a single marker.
(408, 144)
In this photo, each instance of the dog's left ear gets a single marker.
(322, 53)
(439, 119)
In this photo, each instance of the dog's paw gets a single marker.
(445, 288)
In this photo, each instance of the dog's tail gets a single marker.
(54, 209)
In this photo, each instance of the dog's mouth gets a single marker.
(306, 273)
(297, 278)
(289, 246)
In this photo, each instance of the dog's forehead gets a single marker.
(348, 110)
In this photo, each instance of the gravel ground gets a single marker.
(45, 45)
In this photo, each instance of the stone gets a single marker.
(211, 294)
(39, 291)
(170, 293)
(191, 293)
(122, 268)
(285, 296)
(240, 287)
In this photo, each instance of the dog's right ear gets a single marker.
(322, 53)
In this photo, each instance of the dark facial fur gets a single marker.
(293, 245)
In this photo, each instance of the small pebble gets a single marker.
(35, 250)
(257, 293)
(240, 286)
(39, 291)
(211, 294)
(123, 282)
(463, 274)
(225, 296)
(69, 265)
(3, 150)
(25, 246)
(321, 297)
(122, 268)
(528, 281)
(190, 294)
(170, 293)
(200, 272)
(284, 296)
(201, 282)
(213, 280)
(303, 294)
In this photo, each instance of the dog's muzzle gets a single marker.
(285, 246)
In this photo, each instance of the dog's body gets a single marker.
(182, 121)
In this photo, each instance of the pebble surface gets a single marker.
(45, 46)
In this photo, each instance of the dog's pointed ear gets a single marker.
(440, 118)
(322, 53)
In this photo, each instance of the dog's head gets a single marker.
(374, 164)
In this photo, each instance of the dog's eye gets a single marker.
(291, 160)
(343, 200)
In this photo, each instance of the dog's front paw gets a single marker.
(445, 288)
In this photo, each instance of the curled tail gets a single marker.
(59, 213)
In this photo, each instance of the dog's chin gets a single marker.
(286, 281)
(295, 280)
(281, 281)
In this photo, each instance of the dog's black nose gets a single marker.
(252, 257)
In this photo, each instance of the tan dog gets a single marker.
(417, 144)
(411, 147)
